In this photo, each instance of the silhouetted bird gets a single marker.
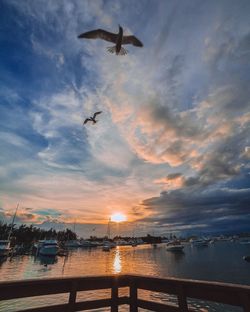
(92, 118)
(118, 39)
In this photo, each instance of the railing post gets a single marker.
(114, 296)
(133, 296)
(72, 297)
(182, 299)
(245, 302)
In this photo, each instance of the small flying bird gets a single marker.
(118, 39)
(92, 118)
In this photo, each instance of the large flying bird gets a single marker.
(92, 118)
(118, 39)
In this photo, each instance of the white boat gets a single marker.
(48, 247)
(174, 246)
(4, 248)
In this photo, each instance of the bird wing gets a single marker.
(86, 120)
(95, 114)
(99, 34)
(132, 40)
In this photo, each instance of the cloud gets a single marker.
(175, 115)
(171, 181)
(190, 207)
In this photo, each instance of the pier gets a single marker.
(183, 289)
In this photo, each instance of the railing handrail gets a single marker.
(226, 293)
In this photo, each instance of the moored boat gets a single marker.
(72, 244)
(4, 248)
(174, 246)
(246, 258)
(47, 247)
(200, 242)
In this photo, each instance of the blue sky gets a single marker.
(171, 149)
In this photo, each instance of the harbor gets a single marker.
(210, 263)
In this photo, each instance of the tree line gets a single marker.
(27, 235)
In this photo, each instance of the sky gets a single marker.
(171, 148)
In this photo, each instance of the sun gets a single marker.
(118, 217)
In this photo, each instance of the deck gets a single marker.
(235, 295)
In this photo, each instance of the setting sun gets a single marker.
(118, 217)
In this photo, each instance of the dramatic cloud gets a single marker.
(175, 114)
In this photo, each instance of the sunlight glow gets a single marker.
(117, 265)
(118, 217)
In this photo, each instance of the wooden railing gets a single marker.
(236, 295)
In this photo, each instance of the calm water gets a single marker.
(221, 261)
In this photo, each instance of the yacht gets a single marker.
(4, 248)
(48, 247)
(174, 246)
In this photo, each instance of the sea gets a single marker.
(221, 261)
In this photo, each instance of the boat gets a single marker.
(72, 244)
(87, 243)
(108, 244)
(200, 242)
(245, 241)
(122, 242)
(106, 247)
(174, 246)
(47, 247)
(134, 243)
(4, 248)
(246, 258)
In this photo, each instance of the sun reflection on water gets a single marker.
(117, 264)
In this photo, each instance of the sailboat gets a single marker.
(107, 245)
(73, 243)
(5, 248)
(133, 241)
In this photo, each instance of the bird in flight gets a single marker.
(118, 39)
(93, 119)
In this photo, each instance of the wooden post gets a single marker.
(133, 296)
(114, 296)
(182, 299)
(72, 297)
(245, 302)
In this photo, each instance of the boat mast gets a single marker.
(108, 229)
(12, 223)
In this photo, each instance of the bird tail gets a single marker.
(123, 51)
(111, 49)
